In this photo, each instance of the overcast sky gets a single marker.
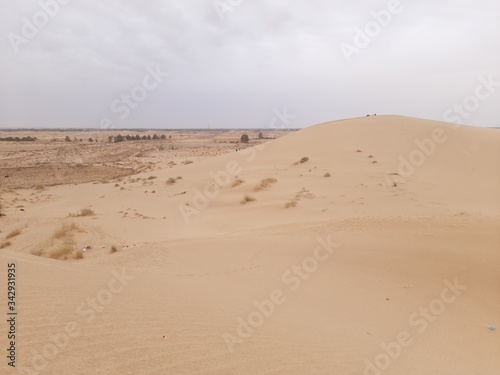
(246, 63)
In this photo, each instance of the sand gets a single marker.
(385, 261)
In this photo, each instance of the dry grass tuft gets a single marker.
(304, 193)
(237, 182)
(247, 198)
(64, 231)
(3, 245)
(113, 250)
(37, 252)
(305, 159)
(185, 162)
(264, 184)
(171, 181)
(14, 233)
(64, 251)
(86, 212)
(327, 174)
(61, 245)
(83, 212)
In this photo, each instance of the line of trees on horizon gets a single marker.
(18, 139)
(121, 138)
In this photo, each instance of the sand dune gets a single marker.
(377, 254)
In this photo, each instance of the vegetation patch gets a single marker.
(247, 199)
(237, 182)
(3, 245)
(14, 233)
(171, 181)
(83, 212)
(264, 184)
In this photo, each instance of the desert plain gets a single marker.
(361, 246)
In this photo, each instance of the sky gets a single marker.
(246, 63)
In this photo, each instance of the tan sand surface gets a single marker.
(350, 262)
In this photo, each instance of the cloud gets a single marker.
(234, 72)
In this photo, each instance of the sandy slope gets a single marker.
(191, 265)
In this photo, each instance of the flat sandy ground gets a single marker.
(365, 246)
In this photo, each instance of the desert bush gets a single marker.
(244, 138)
(304, 193)
(264, 184)
(39, 187)
(14, 233)
(292, 203)
(327, 174)
(247, 198)
(113, 249)
(86, 212)
(152, 177)
(305, 159)
(185, 162)
(83, 212)
(63, 252)
(171, 181)
(64, 231)
(237, 182)
(37, 252)
(61, 244)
